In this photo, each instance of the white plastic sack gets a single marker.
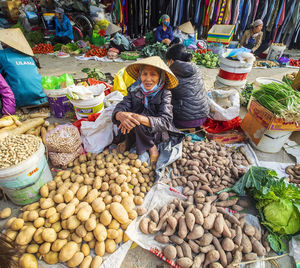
(113, 98)
(99, 134)
(219, 113)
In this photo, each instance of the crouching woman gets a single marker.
(145, 115)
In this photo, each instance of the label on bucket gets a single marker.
(89, 110)
(28, 176)
(31, 192)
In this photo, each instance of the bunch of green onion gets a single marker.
(281, 99)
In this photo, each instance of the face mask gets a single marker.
(167, 23)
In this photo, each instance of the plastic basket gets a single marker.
(130, 55)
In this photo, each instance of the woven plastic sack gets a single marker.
(63, 159)
(63, 139)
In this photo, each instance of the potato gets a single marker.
(100, 232)
(11, 234)
(37, 237)
(28, 261)
(112, 233)
(110, 245)
(17, 224)
(76, 259)
(50, 212)
(9, 222)
(54, 218)
(33, 248)
(49, 235)
(119, 213)
(39, 222)
(84, 213)
(25, 236)
(89, 237)
(51, 257)
(81, 193)
(68, 211)
(105, 217)
(72, 223)
(100, 248)
(85, 249)
(5, 213)
(47, 203)
(76, 238)
(68, 195)
(86, 262)
(58, 244)
(96, 262)
(227, 244)
(90, 224)
(114, 224)
(107, 199)
(80, 231)
(132, 214)
(81, 205)
(44, 248)
(128, 203)
(98, 205)
(68, 251)
(92, 195)
(138, 200)
(63, 234)
(44, 191)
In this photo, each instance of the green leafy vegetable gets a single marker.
(277, 201)
(94, 73)
(157, 49)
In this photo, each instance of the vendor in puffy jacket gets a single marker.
(63, 27)
(189, 98)
(7, 98)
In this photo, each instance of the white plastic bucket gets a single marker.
(233, 83)
(84, 108)
(236, 70)
(275, 52)
(23, 181)
(264, 81)
(235, 63)
(272, 141)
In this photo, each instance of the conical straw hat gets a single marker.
(16, 39)
(187, 28)
(112, 28)
(155, 61)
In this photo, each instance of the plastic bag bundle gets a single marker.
(63, 159)
(63, 139)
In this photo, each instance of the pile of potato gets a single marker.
(294, 174)
(208, 166)
(200, 232)
(87, 207)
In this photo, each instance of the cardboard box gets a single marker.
(253, 128)
(228, 137)
(220, 33)
(268, 120)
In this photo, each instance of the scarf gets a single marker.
(151, 93)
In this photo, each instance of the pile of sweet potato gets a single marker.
(207, 166)
(200, 232)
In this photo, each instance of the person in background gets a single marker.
(252, 38)
(144, 116)
(164, 32)
(189, 98)
(63, 27)
(7, 103)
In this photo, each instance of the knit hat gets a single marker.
(187, 28)
(59, 10)
(134, 69)
(16, 39)
(256, 23)
(163, 17)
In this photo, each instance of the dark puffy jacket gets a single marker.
(159, 112)
(189, 98)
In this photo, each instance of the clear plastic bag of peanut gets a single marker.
(63, 159)
(63, 139)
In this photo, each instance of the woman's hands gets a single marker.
(130, 120)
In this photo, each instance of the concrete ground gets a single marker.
(138, 257)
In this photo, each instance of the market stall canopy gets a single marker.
(112, 28)
(16, 39)
(187, 28)
(134, 69)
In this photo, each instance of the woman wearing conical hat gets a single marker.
(145, 116)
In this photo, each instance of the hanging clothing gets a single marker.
(227, 13)
(290, 10)
(255, 10)
(7, 98)
(279, 19)
(273, 16)
(270, 11)
(246, 13)
(236, 12)
(222, 10)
